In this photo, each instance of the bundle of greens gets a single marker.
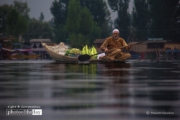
(90, 51)
(73, 52)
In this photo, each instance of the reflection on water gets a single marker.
(135, 90)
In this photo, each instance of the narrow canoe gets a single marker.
(68, 59)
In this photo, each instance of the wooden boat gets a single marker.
(68, 59)
(17, 56)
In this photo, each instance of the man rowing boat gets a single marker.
(111, 47)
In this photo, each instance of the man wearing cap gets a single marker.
(111, 47)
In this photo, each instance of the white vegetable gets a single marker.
(60, 49)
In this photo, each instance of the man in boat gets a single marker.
(111, 47)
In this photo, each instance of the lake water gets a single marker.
(135, 90)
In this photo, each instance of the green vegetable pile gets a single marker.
(90, 51)
(73, 52)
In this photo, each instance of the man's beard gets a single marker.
(115, 37)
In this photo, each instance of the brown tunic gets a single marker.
(113, 48)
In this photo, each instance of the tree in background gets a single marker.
(123, 20)
(161, 16)
(22, 8)
(100, 13)
(22, 23)
(96, 33)
(150, 19)
(16, 24)
(73, 18)
(72, 21)
(21, 27)
(17, 19)
(4, 10)
(12, 19)
(85, 27)
(113, 4)
(80, 25)
(140, 19)
(176, 23)
(38, 29)
(86, 21)
(41, 17)
(88, 27)
(59, 11)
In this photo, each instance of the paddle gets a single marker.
(86, 57)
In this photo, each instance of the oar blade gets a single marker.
(84, 58)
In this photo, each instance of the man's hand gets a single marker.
(129, 47)
(105, 50)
